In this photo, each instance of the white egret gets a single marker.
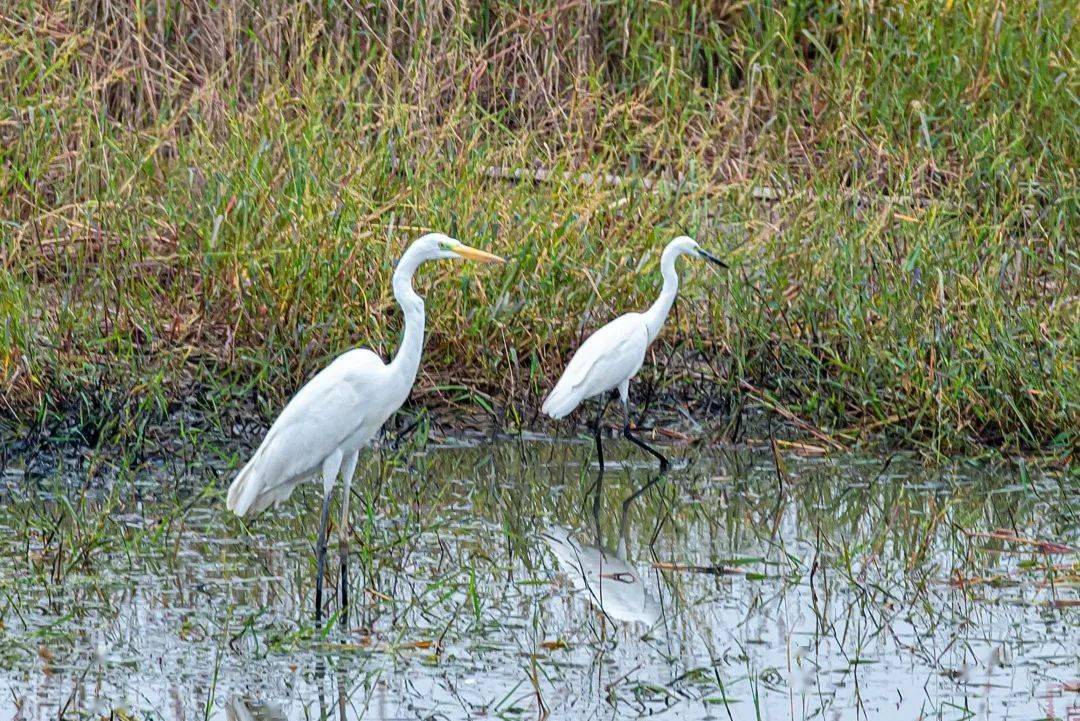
(612, 356)
(328, 421)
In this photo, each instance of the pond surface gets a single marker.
(828, 588)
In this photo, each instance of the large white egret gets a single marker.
(328, 421)
(612, 356)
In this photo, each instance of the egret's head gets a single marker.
(689, 246)
(436, 246)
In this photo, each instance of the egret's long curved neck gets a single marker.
(407, 359)
(658, 311)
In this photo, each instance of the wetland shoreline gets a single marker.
(873, 414)
(860, 585)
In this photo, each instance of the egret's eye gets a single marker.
(446, 245)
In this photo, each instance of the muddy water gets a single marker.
(829, 588)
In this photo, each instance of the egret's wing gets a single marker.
(326, 411)
(607, 357)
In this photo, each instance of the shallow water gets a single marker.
(833, 588)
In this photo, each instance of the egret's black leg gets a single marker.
(597, 433)
(599, 476)
(640, 443)
(320, 555)
(348, 467)
(343, 557)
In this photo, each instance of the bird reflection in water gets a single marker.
(239, 709)
(611, 581)
(244, 709)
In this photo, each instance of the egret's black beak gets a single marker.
(711, 258)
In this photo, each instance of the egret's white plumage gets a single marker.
(611, 356)
(339, 411)
(608, 357)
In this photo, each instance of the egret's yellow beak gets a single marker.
(478, 255)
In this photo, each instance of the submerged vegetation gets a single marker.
(853, 588)
(207, 203)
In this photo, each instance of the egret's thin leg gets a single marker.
(320, 555)
(599, 476)
(634, 439)
(347, 470)
(597, 432)
(330, 467)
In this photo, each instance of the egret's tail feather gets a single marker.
(258, 484)
(243, 490)
(559, 403)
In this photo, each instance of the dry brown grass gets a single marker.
(213, 198)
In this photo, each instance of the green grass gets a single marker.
(180, 223)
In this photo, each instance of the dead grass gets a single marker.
(211, 201)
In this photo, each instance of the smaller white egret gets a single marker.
(339, 411)
(611, 356)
